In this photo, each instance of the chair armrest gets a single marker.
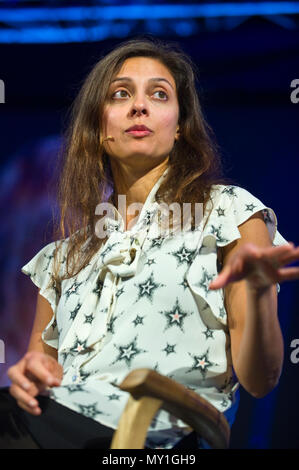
(187, 405)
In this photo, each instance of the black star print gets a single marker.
(113, 396)
(128, 352)
(183, 255)
(220, 212)
(147, 217)
(110, 325)
(138, 320)
(157, 242)
(230, 191)
(150, 261)
(84, 375)
(222, 312)
(169, 348)
(119, 291)
(91, 411)
(75, 311)
(175, 317)
(217, 231)
(78, 346)
(201, 363)
(147, 288)
(107, 249)
(208, 333)
(72, 290)
(89, 318)
(99, 288)
(72, 388)
(250, 207)
(205, 280)
(48, 257)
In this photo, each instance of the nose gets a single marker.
(138, 107)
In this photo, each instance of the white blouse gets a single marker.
(152, 310)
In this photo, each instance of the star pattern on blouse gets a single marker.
(78, 346)
(113, 396)
(73, 313)
(220, 212)
(72, 290)
(90, 411)
(175, 316)
(107, 250)
(48, 258)
(147, 288)
(89, 318)
(169, 348)
(201, 363)
(205, 280)
(230, 191)
(138, 320)
(217, 231)
(183, 255)
(250, 207)
(75, 387)
(208, 333)
(150, 261)
(128, 352)
(99, 287)
(157, 242)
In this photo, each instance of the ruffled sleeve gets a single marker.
(229, 207)
(40, 269)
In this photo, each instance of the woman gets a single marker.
(124, 292)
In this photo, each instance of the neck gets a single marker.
(135, 185)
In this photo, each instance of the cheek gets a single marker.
(112, 119)
(169, 121)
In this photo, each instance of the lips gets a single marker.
(137, 128)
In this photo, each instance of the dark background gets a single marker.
(245, 75)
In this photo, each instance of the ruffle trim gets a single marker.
(232, 206)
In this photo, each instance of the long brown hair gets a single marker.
(85, 177)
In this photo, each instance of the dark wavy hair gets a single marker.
(85, 177)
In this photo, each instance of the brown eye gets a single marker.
(162, 95)
(122, 94)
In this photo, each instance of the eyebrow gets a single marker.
(154, 79)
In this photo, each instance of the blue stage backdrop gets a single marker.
(248, 71)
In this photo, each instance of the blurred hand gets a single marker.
(261, 267)
(33, 374)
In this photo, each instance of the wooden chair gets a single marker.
(150, 391)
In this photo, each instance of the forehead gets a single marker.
(145, 68)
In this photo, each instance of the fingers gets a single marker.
(288, 274)
(40, 372)
(222, 279)
(30, 376)
(25, 400)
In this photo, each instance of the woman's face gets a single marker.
(142, 94)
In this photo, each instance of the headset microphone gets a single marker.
(109, 137)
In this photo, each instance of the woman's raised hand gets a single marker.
(35, 372)
(261, 267)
